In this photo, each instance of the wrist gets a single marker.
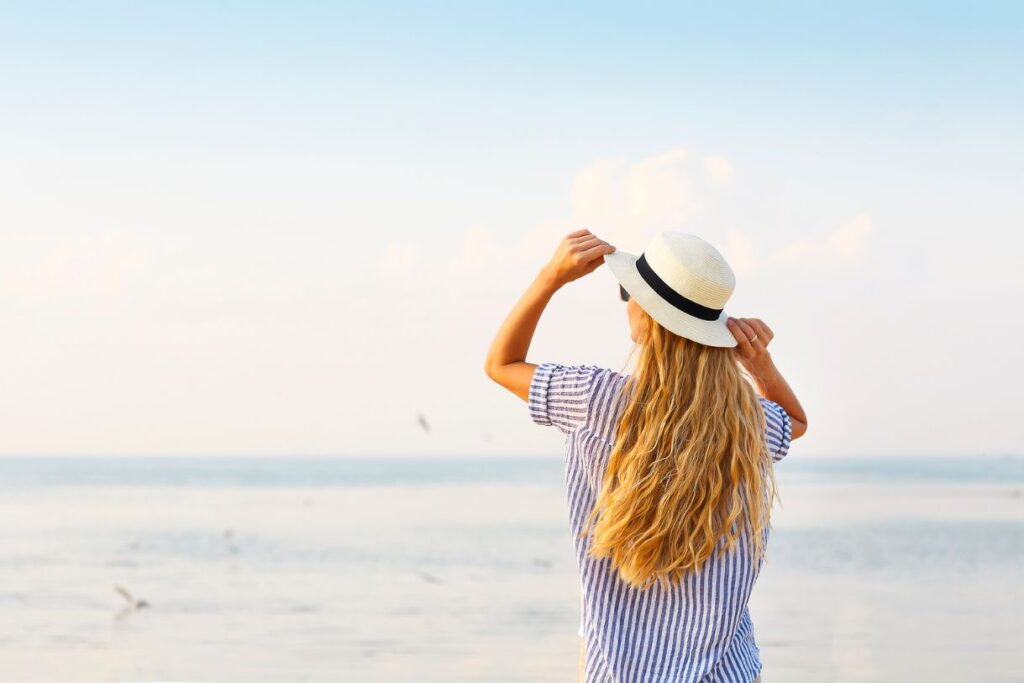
(763, 370)
(549, 279)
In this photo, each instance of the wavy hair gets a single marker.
(689, 473)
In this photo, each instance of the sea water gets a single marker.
(461, 569)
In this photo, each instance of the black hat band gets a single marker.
(672, 296)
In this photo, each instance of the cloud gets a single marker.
(845, 245)
(659, 193)
(36, 268)
(624, 203)
(718, 170)
(478, 252)
(850, 240)
(399, 256)
(739, 251)
(628, 202)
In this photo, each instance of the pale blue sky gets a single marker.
(257, 228)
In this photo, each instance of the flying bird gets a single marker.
(423, 422)
(133, 604)
(429, 578)
(229, 540)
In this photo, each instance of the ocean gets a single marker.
(461, 569)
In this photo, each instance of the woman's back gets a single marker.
(695, 629)
(669, 475)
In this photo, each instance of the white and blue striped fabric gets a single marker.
(698, 629)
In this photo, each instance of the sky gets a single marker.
(288, 228)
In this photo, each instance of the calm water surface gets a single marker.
(462, 570)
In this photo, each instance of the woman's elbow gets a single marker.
(799, 427)
(491, 369)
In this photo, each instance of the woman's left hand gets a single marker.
(578, 254)
(752, 338)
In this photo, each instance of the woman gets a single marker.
(668, 469)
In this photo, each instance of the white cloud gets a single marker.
(37, 267)
(658, 192)
(718, 170)
(626, 203)
(739, 251)
(478, 251)
(845, 245)
(542, 240)
(850, 240)
(623, 203)
(399, 256)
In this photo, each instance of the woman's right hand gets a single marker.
(578, 254)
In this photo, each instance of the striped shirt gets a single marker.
(699, 628)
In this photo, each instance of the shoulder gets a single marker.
(570, 396)
(572, 376)
(553, 382)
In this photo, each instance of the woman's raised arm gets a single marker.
(578, 254)
(752, 337)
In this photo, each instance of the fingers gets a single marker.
(746, 341)
(752, 337)
(579, 237)
(582, 237)
(596, 253)
(742, 342)
(764, 333)
(580, 253)
(591, 249)
(585, 242)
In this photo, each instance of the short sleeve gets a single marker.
(779, 429)
(560, 395)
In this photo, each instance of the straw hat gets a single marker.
(682, 282)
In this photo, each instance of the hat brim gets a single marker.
(707, 332)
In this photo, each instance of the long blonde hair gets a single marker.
(689, 467)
